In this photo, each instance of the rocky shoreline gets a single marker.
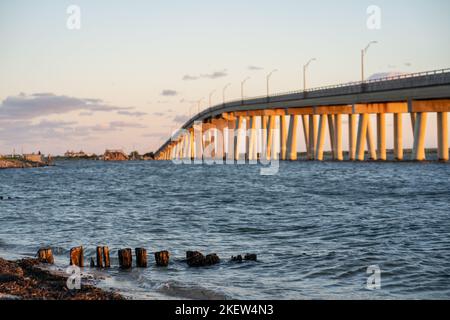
(19, 164)
(26, 279)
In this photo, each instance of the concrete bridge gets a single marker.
(269, 118)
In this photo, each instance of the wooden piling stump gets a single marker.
(250, 257)
(103, 257)
(99, 257)
(141, 257)
(92, 262)
(212, 259)
(45, 255)
(162, 258)
(197, 259)
(237, 258)
(125, 258)
(106, 260)
(76, 257)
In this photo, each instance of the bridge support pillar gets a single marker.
(191, 144)
(206, 138)
(352, 137)
(179, 149)
(264, 125)
(312, 136)
(212, 140)
(283, 137)
(332, 131)
(305, 123)
(198, 141)
(187, 144)
(398, 136)
(381, 136)
(413, 117)
(362, 136)
(220, 125)
(252, 134)
(238, 137)
(442, 124)
(271, 154)
(338, 138)
(419, 137)
(321, 137)
(292, 138)
(371, 144)
(230, 141)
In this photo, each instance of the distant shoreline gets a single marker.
(20, 164)
(26, 279)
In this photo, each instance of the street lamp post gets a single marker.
(305, 67)
(242, 88)
(268, 79)
(190, 110)
(363, 54)
(210, 97)
(223, 91)
(198, 104)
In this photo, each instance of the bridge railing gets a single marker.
(349, 84)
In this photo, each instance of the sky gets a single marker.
(134, 70)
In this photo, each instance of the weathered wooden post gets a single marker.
(212, 259)
(103, 257)
(76, 257)
(238, 258)
(194, 258)
(125, 258)
(106, 257)
(197, 259)
(141, 258)
(250, 257)
(162, 258)
(92, 262)
(99, 257)
(45, 255)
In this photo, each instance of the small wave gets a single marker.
(176, 290)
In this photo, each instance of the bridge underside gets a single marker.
(224, 135)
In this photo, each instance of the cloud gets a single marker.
(181, 118)
(155, 135)
(189, 78)
(116, 126)
(19, 132)
(255, 68)
(26, 131)
(213, 75)
(158, 114)
(36, 105)
(169, 93)
(132, 113)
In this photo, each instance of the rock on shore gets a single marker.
(15, 163)
(24, 279)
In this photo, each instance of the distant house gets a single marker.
(115, 155)
(73, 154)
(39, 158)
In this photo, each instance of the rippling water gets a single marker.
(316, 227)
